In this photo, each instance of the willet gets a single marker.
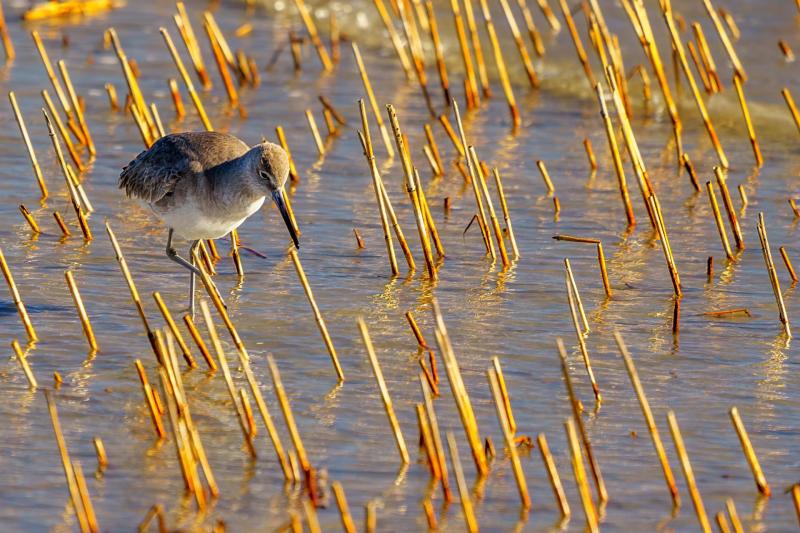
(203, 185)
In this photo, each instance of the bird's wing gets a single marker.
(154, 173)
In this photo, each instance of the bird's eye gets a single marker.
(264, 175)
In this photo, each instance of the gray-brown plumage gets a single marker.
(203, 185)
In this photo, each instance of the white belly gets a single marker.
(192, 223)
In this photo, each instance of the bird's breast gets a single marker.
(193, 220)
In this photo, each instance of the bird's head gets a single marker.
(272, 168)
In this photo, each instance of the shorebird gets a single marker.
(203, 185)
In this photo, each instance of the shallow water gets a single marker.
(713, 364)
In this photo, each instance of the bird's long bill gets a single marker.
(277, 197)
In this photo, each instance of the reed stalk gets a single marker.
(123, 265)
(344, 510)
(688, 473)
(573, 287)
(17, 299)
(373, 102)
(600, 485)
(773, 276)
(29, 219)
(718, 219)
(23, 363)
(150, 400)
(323, 329)
(433, 422)
(576, 40)
(426, 440)
(186, 31)
(552, 475)
(733, 516)
(387, 400)
(413, 192)
(73, 97)
(66, 463)
(198, 340)
(37, 171)
(533, 79)
(580, 336)
(788, 263)
(8, 46)
(503, 417)
(395, 38)
(463, 490)
(580, 476)
(312, 124)
(618, 167)
(84, 317)
(377, 187)
(665, 246)
(533, 32)
(280, 393)
(223, 364)
(311, 28)
(187, 81)
(701, 107)
(500, 64)
(222, 65)
(501, 246)
(173, 327)
(470, 83)
(751, 132)
(213, 293)
(133, 85)
(650, 421)
(726, 42)
(473, 174)
(459, 392)
(749, 453)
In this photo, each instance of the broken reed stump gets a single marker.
(387, 400)
(650, 421)
(84, 317)
(17, 299)
(323, 329)
(749, 453)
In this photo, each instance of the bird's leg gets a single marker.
(192, 248)
(173, 254)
